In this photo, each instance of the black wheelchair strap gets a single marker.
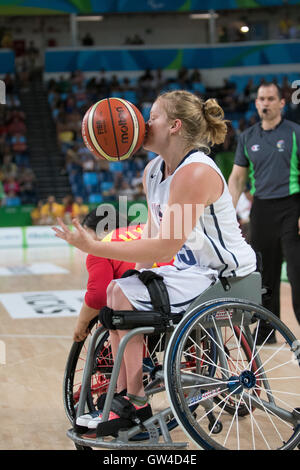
(123, 408)
(157, 290)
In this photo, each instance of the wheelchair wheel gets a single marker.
(250, 403)
(102, 369)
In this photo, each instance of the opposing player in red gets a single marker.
(101, 271)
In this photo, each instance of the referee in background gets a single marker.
(269, 151)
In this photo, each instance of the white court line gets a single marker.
(37, 336)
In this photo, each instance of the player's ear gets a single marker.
(176, 126)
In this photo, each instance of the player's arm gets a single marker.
(193, 187)
(237, 182)
(238, 177)
(100, 275)
(85, 316)
(150, 230)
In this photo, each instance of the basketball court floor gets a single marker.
(36, 327)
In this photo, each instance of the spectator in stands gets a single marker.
(27, 187)
(83, 209)
(88, 163)
(139, 193)
(71, 209)
(7, 40)
(126, 190)
(16, 126)
(137, 179)
(8, 168)
(63, 85)
(2, 193)
(11, 186)
(50, 211)
(36, 214)
(87, 40)
(19, 143)
(158, 81)
(195, 76)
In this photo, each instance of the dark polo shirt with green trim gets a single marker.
(273, 159)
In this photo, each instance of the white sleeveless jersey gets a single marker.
(216, 241)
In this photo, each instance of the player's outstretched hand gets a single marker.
(78, 238)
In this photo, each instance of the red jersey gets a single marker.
(103, 270)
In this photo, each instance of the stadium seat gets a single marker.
(130, 95)
(116, 166)
(197, 86)
(106, 185)
(95, 198)
(90, 179)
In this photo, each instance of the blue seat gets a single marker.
(131, 96)
(95, 198)
(106, 185)
(116, 94)
(12, 201)
(116, 166)
(90, 178)
(173, 86)
(151, 155)
(235, 123)
(197, 86)
(146, 107)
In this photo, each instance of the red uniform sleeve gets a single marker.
(101, 273)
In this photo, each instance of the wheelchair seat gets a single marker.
(245, 288)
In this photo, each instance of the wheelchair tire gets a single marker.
(272, 421)
(102, 368)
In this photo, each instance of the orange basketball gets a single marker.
(113, 129)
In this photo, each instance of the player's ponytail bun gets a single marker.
(216, 125)
(203, 123)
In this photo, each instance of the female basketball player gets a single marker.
(190, 216)
(101, 271)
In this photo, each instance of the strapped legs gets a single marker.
(130, 376)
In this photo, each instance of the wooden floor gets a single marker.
(31, 407)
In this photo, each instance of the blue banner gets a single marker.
(172, 59)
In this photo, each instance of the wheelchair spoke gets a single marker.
(291, 361)
(261, 346)
(240, 336)
(210, 362)
(271, 357)
(235, 417)
(257, 425)
(270, 392)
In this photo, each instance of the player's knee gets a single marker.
(109, 293)
(118, 300)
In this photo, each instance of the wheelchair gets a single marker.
(205, 374)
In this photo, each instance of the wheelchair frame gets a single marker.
(232, 292)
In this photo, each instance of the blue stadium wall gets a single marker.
(22, 7)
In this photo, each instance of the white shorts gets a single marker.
(183, 285)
